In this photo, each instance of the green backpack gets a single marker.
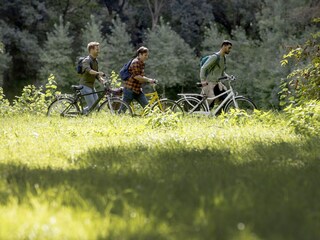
(205, 58)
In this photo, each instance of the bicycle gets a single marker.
(71, 105)
(156, 104)
(198, 103)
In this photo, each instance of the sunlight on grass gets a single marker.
(122, 178)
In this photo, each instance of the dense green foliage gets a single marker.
(37, 43)
(232, 177)
(235, 176)
(303, 84)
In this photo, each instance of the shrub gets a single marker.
(305, 118)
(302, 84)
(4, 104)
(33, 100)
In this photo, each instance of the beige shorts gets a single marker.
(208, 90)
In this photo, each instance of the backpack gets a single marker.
(205, 58)
(124, 71)
(79, 65)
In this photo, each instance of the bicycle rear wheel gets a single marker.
(63, 107)
(115, 106)
(167, 105)
(242, 103)
(191, 105)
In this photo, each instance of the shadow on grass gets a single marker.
(271, 191)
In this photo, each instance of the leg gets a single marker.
(208, 90)
(141, 98)
(218, 89)
(127, 97)
(90, 99)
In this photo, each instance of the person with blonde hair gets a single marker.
(90, 73)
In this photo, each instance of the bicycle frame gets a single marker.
(79, 98)
(95, 104)
(230, 96)
(153, 98)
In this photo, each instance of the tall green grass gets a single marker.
(102, 177)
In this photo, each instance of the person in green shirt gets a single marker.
(90, 74)
(213, 68)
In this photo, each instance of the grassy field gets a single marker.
(157, 178)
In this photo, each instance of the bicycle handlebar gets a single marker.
(106, 83)
(227, 78)
(156, 81)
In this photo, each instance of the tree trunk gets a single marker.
(155, 7)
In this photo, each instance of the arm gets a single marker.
(143, 79)
(137, 73)
(87, 67)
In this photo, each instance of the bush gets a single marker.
(302, 84)
(305, 118)
(33, 100)
(4, 104)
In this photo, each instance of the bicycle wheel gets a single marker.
(243, 104)
(190, 105)
(115, 106)
(167, 105)
(63, 107)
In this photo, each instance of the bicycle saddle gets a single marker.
(76, 87)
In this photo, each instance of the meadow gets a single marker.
(120, 178)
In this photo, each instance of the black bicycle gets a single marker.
(72, 105)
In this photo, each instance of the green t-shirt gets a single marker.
(87, 79)
(213, 68)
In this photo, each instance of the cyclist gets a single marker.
(213, 68)
(133, 86)
(90, 74)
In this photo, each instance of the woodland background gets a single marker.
(38, 38)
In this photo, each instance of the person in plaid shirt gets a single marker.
(133, 86)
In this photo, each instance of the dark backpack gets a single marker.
(124, 71)
(79, 65)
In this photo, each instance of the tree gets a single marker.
(20, 22)
(155, 7)
(302, 84)
(92, 33)
(189, 19)
(119, 47)
(56, 56)
(5, 59)
(212, 39)
(171, 59)
(276, 34)
(241, 64)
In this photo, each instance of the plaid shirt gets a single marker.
(136, 68)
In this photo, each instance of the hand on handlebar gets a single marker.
(227, 77)
(105, 81)
(101, 74)
(153, 81)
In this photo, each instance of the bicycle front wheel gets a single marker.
(115, 106)
(63, 107)
(191, 105)
(241, 103)
(167, 105)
